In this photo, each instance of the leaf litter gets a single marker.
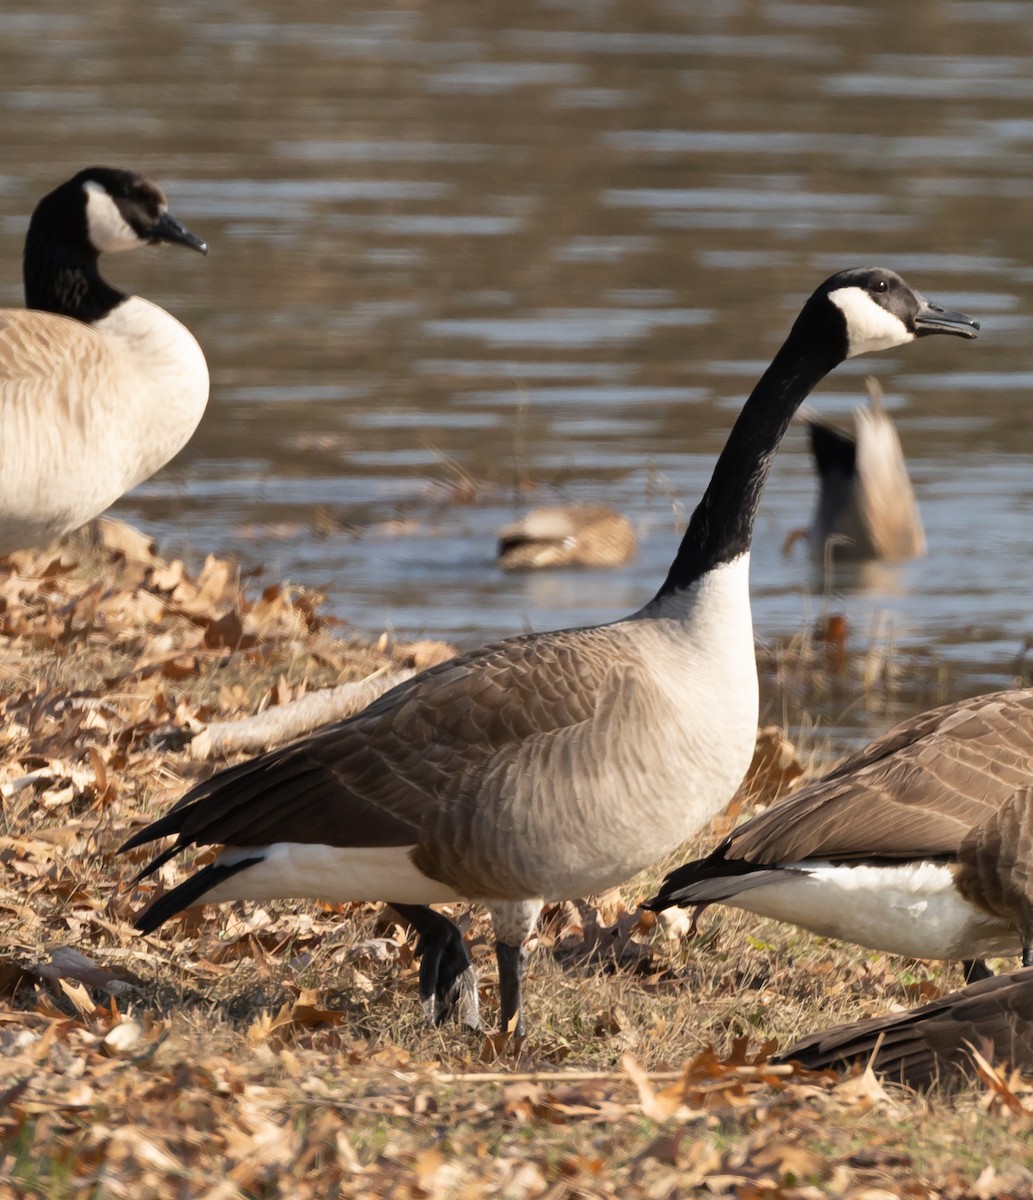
(260, 1050)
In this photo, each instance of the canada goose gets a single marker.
(548, 765)
(97, 389)
(587, 535)
(920, 844)
(866, 506)
(934, 1042)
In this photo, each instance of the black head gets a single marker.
(874, 309)
(100, 209)
(108, 209)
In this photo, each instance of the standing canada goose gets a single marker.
(584, 535)
(549, 765)
(920, 844)
(97, 389)
(933, 1043)
(866, 506)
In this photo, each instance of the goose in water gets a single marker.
(920, 844)
(866, 506)
(97, 389)
(549, 765)
(934, 1043)
(583, 535)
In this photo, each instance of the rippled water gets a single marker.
(507, 254)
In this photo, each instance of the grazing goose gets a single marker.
(584, 535)
(920, 844)
(549, 765)
(866, 504)
(933, 1043)
(97, 389)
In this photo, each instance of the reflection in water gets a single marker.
(474, 256)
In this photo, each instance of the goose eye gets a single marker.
(880, 285)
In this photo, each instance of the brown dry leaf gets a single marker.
(496, 1045)
(522, 1099)
(665, 1149)
(789, 1159)
(1000, 1088)
(307, 1013)
(308, 1103)
(863, 1089)
(227, 630)
(773, 772)
(658, 1106)
(124, 540)
(1014, 1181)
(79, 997)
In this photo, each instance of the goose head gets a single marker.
(875, 310)
(106, 210)
(125, 210)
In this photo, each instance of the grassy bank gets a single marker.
(266, 1050)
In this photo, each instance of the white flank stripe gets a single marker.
(913, 910)
(331, 873)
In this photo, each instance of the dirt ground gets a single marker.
(279, 1050)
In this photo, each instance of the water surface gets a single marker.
(470, 256)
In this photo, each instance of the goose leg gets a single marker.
(513, 921)
(1027, 955)
(512, 961)
(447, 980)
(976, 969)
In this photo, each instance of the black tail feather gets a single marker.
(711, 880)
(153, 832)
(159, 861)
(833, 451)
(190, 891)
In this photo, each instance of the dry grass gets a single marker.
(276, 1050)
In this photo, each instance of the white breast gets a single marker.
(706, 665)
(675, 759)
(86, 413)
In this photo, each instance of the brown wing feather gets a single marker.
(914, 792)
(995, 1015)
(996, 861)
(405, 766)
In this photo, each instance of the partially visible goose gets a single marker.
(97, 389)
(584, 535)
(866, 505)
(934, 1043)
(549, 765)
(920, 844)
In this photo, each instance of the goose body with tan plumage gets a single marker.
(919, 844)
(98, 389)
(550, 765)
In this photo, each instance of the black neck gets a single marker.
(721, 528)
(62, 277)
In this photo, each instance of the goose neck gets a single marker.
(64, 279)
(721, 528)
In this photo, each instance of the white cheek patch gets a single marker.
(107, 228)
(868, 325)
